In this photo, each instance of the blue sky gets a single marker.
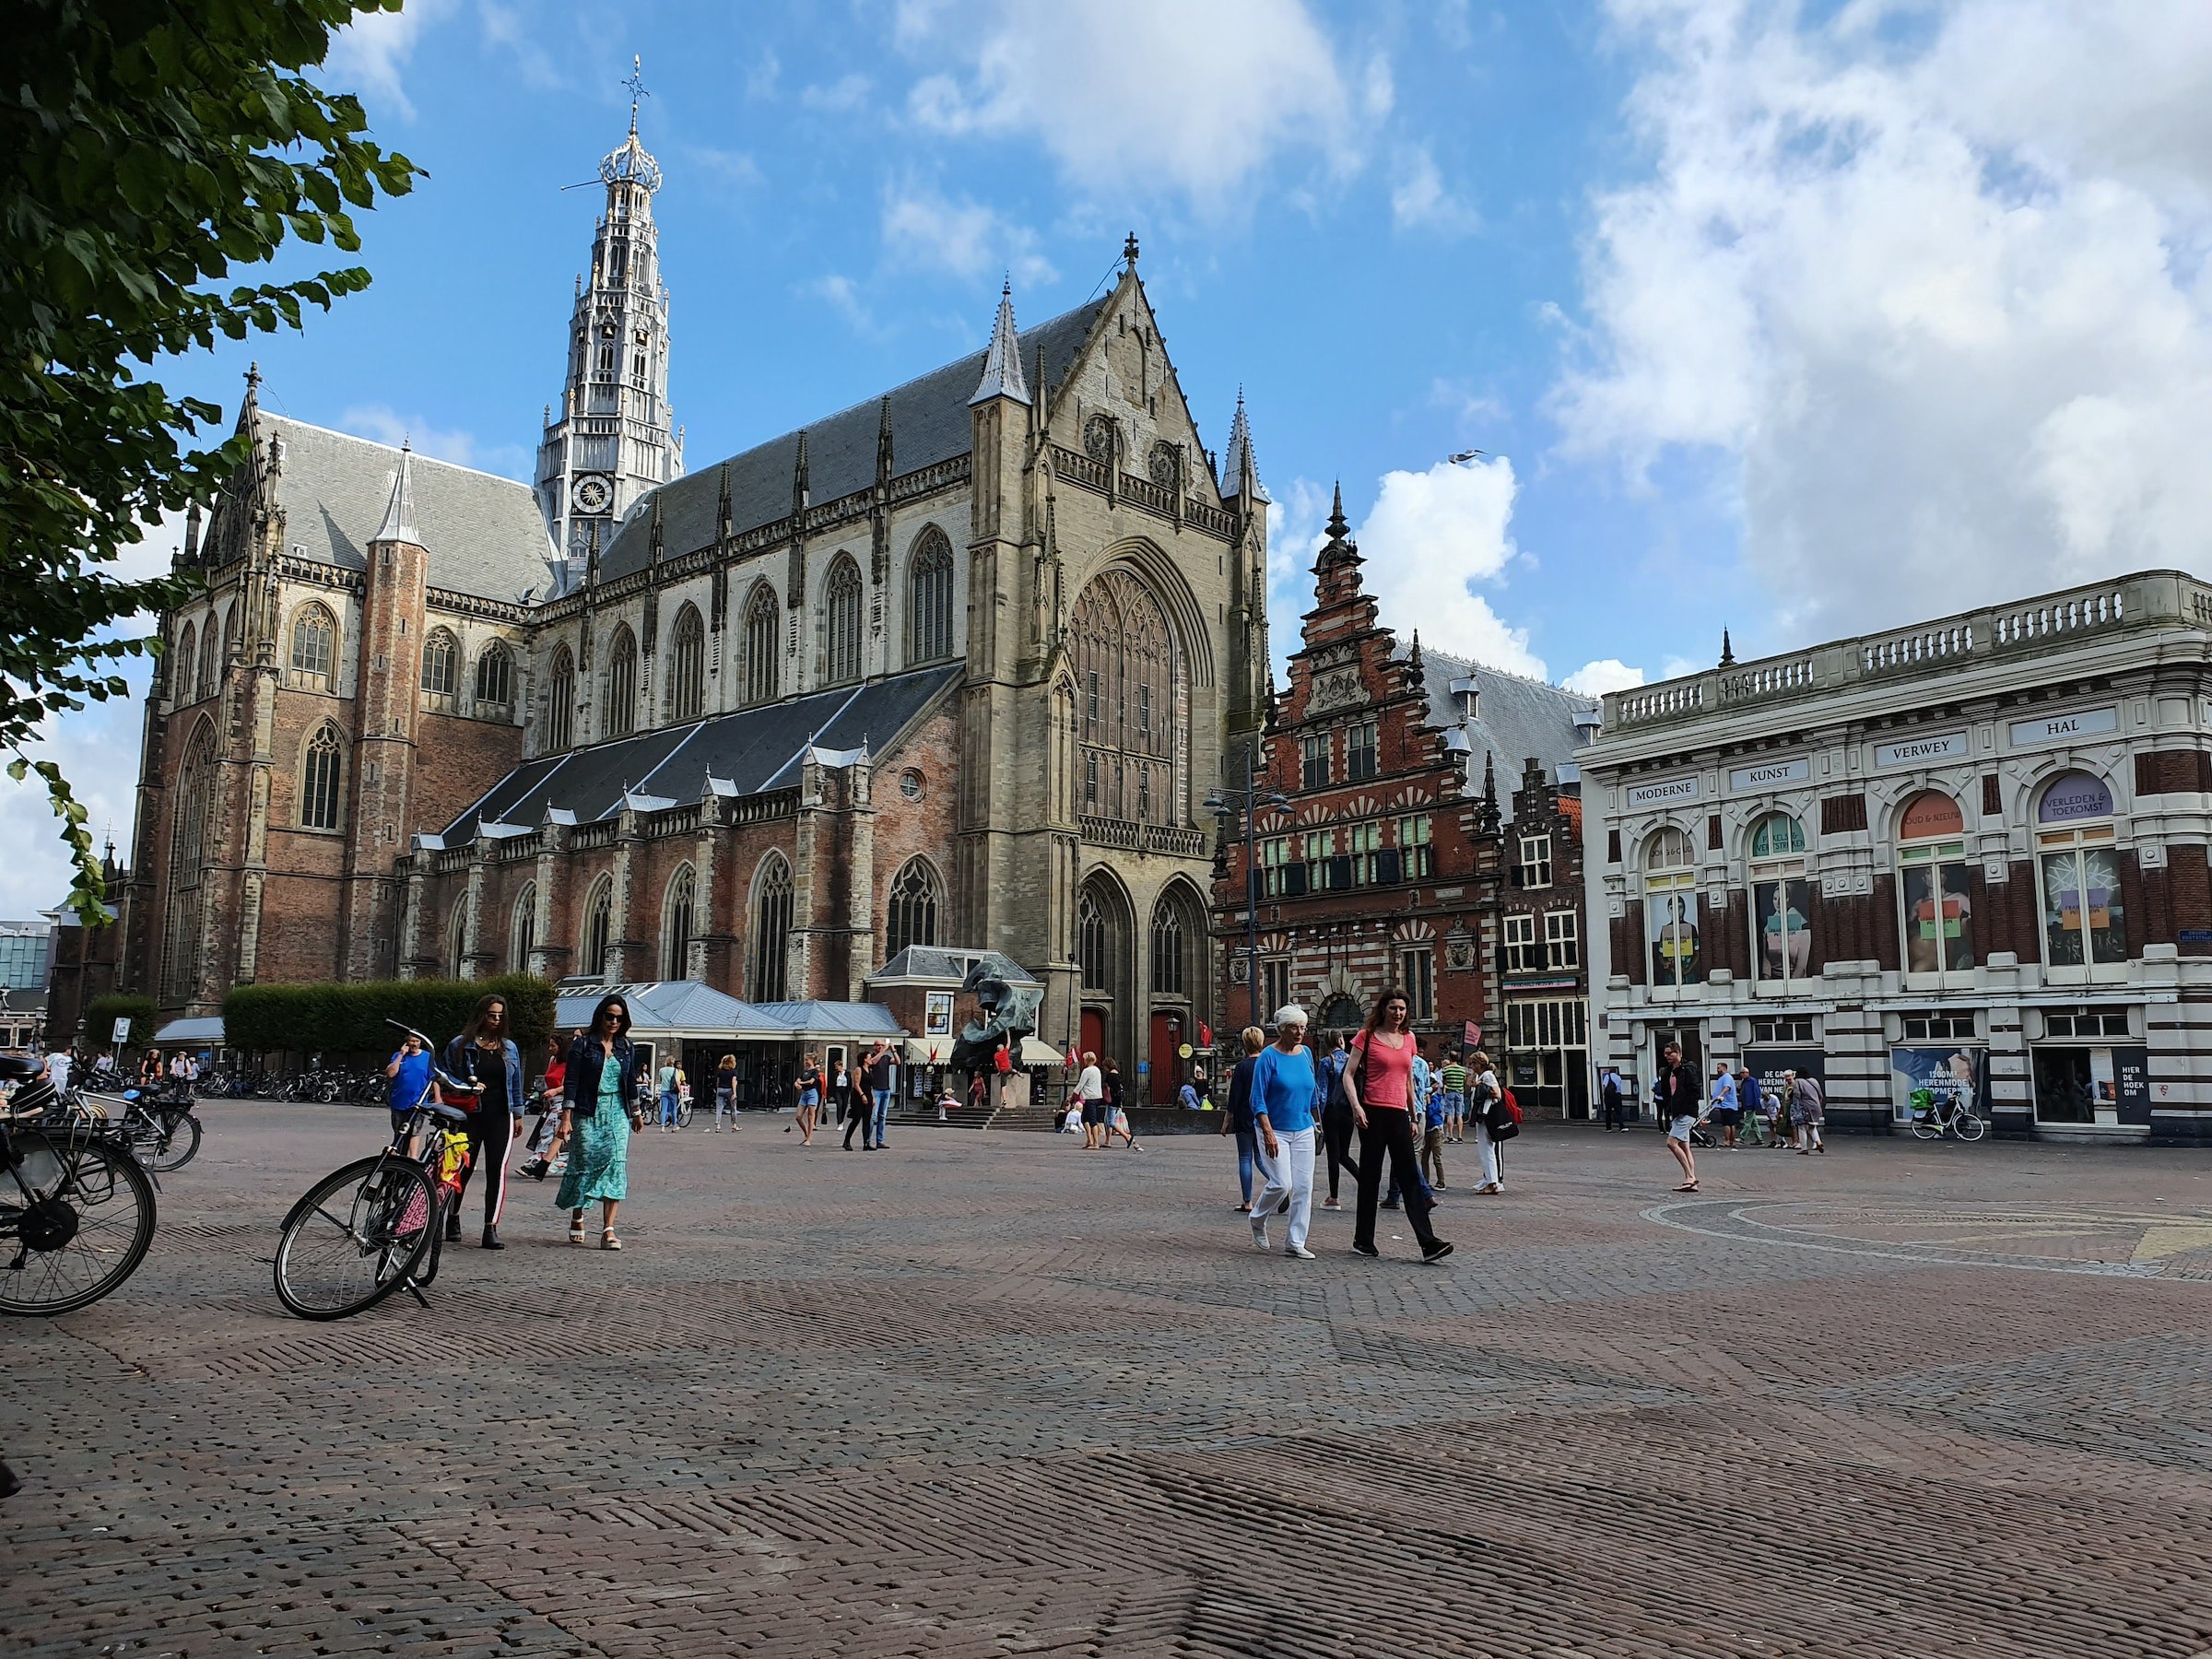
(1798, 319)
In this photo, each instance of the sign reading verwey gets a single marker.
(1918, 751)
(1668, 793)
(2063, 728)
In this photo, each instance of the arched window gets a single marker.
(764, 646)
(184, 677)
(495, 677)
(211, 662)
(315, 647)
(913, 911)
(441, 669)
(1935, 886)
(929, 598)
(320, 768)
(675, 925)
(1670, 900)
(1094, 943)
(229, 632)
(522, 929)
(842, 614)
(190, 842)
(1171, 950)
(1134, 724)
(454, 957)
(686, 665)
(1781, 901)
(2084, 923)
(622, 717)
(561, 701)
(771, 928)
(599, 929)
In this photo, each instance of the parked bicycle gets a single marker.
(1933, 1119)
(77, 1209)
(158, 1128)
(377, 1225)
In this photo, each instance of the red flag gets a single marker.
(1206, 1035)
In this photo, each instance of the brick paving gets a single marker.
(984, 1393)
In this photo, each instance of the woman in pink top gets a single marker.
(1379, 1082)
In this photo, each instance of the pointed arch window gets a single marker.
(1170, 948)
(769, 979)
(211, 668)
(454, 956)
(597, 954)
(842, 609)
(315, 647)
(229, 632)
(915, 900)
(675, 925)
(522, 929)
(764, 646)
(929, 599)
(322, 769)
(622, 718)
(1094, 943)
(561, 701)
(440, 669)
(1135, 731)
(188, 664)
(495, 679)
(190, 842)
(687, 666)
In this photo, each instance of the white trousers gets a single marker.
(1487, 1149)
(1290, 1175)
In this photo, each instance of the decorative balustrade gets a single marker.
(2026, 624)
(510, 848)
(1079, 468)
(1920, 646)
(1154, 498)
(764, 807)
(1766, 680)
(673, 820)
(1662, 701)
(601, 834)
(1112, 832)
(1175, 842)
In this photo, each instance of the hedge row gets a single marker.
(334, 1019)
(103, 1012)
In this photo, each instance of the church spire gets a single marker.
(1001, 363)
(1240, 469)
(399, 512)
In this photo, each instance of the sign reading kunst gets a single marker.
(1748, 779)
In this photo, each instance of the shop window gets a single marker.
(1671, 909)
(1781, 901)
(1934, 887)
(1795, 1029)
(1935, 1026)
(1521, 954)
(2085, 925)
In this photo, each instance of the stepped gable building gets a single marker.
(1392, 859)
(953, 667)
(1966, 858)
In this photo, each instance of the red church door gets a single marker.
(1094, 1032)
(1167, 1064)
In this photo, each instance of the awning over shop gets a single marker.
(205, 1030)
(1035, 1051)
(673, 1008)
(937, 1050)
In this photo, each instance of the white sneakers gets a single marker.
(1259, 1232)
(1300, 1252)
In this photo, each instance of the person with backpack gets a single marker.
(1379, 1083)
(1608, 1094)
(1335, 1119)
(1488, 1108)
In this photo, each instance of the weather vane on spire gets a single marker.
(636, 82)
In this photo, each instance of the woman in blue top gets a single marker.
(1236, 1120)
(483, 1053)
(596, 1096)
(1285, 1090)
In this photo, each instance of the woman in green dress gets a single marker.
(596, 1120)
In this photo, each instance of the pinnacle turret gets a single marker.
(399, 512)
(1239, 467)
(1001, 363)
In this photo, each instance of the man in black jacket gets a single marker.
(1676, 1091)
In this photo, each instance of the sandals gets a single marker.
(1687, 1188)
(576, 1230)
(608, 1240)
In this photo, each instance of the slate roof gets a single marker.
(938, 962)
(930, 422)
(747, 751)
(1515, 718)
(484, 534)
(660, 1006)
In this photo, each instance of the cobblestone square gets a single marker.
(984, 1393)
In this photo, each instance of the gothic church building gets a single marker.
(957, 665)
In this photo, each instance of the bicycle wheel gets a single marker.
(1926, 1127)
(355, 1238)
(79, 1231)
(167, 1144)
(683, 1114)
(1968, 1127)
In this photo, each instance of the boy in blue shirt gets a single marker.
(409, 1074)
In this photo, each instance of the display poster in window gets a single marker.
(1671, 926)
(2082, 913)
(1939, 917)
(1770, 1066)
(1784, 909)
(1930, 1078)
(937, 1017)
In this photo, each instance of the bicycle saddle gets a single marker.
(445, 1111)
(14, 1068)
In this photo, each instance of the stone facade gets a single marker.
(1383, 854)
(1968, 856)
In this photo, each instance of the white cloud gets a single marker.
(1606, 673)
(371, 54)
(839, 96)
(1420, 201)
(842, 296)
(922, 227)
(1942, 307)
(1138, 95)
(387, 425)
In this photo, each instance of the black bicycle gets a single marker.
(77, 1209)
(377, 1225)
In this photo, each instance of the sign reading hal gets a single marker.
(2065, 728)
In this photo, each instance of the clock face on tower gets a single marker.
(594, 494)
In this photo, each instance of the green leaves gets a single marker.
(144, 152)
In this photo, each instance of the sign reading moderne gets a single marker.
(1672, 792)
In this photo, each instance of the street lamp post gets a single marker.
(1246, 801)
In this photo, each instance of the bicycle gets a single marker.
(378, 1225)
(1932, 1121)
(79, 1218)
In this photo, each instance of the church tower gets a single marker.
(613, 437)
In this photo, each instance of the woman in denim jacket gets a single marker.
(483, 1053)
